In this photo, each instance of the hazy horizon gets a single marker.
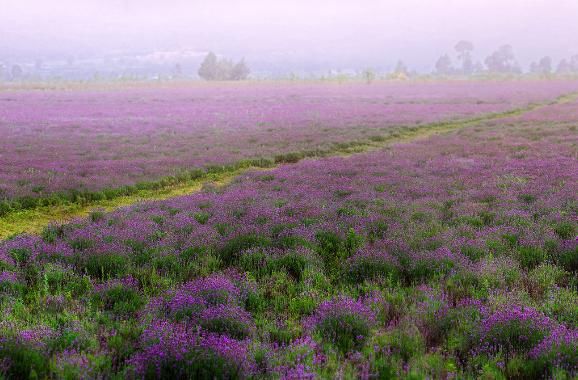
(328, 35)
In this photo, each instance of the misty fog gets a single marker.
(286, 36)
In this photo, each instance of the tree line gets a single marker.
(214, 69)
(501, 61)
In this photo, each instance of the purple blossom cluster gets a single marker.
(340, 307)
(127, 282)
(514, 329)
(559, 349)
(299, 359)
(172, 348)
(9, 277)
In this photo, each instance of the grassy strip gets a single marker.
(32, 214)
(34, 220)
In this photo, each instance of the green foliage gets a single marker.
(20, 255)
(202, 217)
(105, 265)
(363, 269)
(347, 332)
(228, 326)
(566, 230)
(233, 248)
(531, 256)
(120, 300)
(562, 304)
(376, 230)
(52, 232)
(96, 216)
(81, 244)
(472, 252)
(404, 341)
(568, 259)
(197, 364)
(24, 362)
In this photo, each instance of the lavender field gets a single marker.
(85, 144)
(451, 255)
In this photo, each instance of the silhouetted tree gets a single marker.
(543, 66)
(177, 70)
(240, 71)
(444, 65)
(564, 67)
(209, 67)
(224, 69)
(368, 76)
(16, 72)
(568, 66)
(401, 68)
(464, 50)
(502, 61)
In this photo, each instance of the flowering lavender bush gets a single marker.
(215, 290)
(374, 263)
(120, 297)
(343, 322)
(264, 262)
(177, 351)
(9, 283)
(514, 330)
(23, 353)
(228, 320)
(559, 350)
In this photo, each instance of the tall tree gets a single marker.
(368, 75)
(16, 72)
(209, 67)
(240, 71)
(444, 65)
(564, 67)
(401, 68)
(464, 49)
(502, 60)
(543, 66)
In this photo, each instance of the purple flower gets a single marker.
(559, 349)
(178, 349)
(9, 277)
(514, 329)
(342, 321)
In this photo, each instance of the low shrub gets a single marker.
(558, 351)
(373, 263)
(120, 297)
(513, 330)
(173, 350)
(264, 262)
(104, 265)
(229, 320)
(344, 322)
(565, 230)
(234, 247)
(530, 256)
(566, 256)
(21, 361)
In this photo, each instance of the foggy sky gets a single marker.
(338, 33)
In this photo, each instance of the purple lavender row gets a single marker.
(88, 140)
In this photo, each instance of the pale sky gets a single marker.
(339, 32)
